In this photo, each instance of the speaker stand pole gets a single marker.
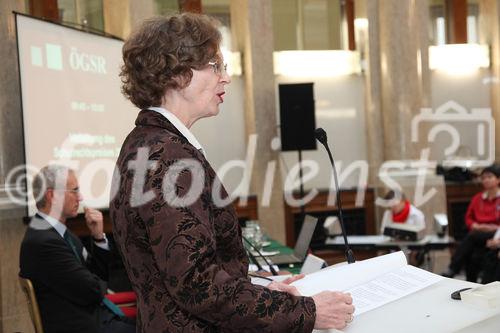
(301, 188)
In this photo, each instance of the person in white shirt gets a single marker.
(401, 211)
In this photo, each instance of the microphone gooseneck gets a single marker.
(322, 138)
(254, 260)
(271, 268)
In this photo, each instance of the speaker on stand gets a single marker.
(297, 123)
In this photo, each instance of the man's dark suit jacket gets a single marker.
(187, 264)
(69, 292)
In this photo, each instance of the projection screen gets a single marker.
(73, 111)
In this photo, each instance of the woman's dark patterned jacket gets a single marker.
(187, 263)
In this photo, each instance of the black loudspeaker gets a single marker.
(297, 121)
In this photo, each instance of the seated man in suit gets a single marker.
(68, 280)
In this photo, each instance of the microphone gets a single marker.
(322, 138)
(271, 268)
(254, 260)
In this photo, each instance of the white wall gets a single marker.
(340, 112)
(471, 91)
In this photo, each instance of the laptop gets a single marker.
(303, 242)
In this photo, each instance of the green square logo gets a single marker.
(54, 56)
(36, 56)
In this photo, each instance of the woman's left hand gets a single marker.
(285, 285)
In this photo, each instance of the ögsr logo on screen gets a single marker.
(78, 60)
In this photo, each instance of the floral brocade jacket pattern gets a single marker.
(187, 264)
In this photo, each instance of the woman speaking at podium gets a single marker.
(182, 251)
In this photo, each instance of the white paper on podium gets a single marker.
(372, 283)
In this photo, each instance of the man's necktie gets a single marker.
(71, 243)
(110, 305)
(113, 307)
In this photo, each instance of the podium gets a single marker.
(429, 310)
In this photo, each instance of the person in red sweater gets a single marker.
(482, 220)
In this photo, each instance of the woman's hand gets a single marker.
(333, 310)
(285, 285)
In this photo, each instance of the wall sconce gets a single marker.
(233, 60)
(459, 59)
(316, 63)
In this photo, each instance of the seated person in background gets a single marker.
(491, 265)
(401, 211)
(68, 280)
(482, 220)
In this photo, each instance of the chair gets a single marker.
(29, 291)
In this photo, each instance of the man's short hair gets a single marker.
(391, 195)
(493, 169)
(47, 178)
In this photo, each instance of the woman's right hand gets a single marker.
(333, 310)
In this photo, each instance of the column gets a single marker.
(251, 21)
(14, 315)
(120, 16)
(368, 45)
(405, 77)
(397, 78)
(397, 86)
(490, 34)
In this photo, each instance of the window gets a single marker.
(82, 13)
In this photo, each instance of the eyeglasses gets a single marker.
(218, 68)
(74, 191)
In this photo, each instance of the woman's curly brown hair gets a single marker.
(161, 53)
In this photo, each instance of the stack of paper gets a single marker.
(372, 283)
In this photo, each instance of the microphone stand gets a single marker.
(271, 268)
(321, 136)
(301, 188)
(254, 260)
